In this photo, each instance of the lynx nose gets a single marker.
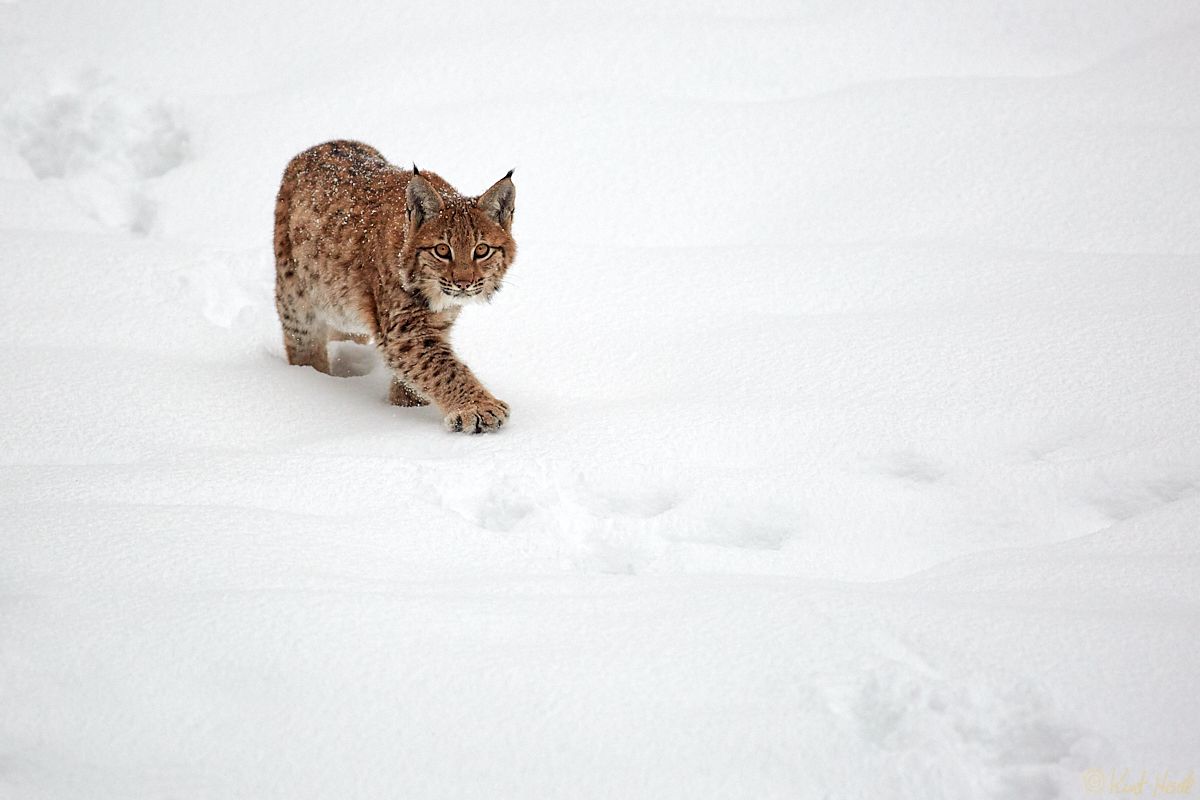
(464, 285)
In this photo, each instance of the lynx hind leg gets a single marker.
(401, 395)
(305, 333)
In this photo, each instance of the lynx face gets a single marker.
(458, 249)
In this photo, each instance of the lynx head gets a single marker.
(457, 249)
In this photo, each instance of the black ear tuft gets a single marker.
(498, 202)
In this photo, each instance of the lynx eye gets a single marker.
(442, 250)
(481, 250)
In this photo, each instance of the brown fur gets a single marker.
(364, 249)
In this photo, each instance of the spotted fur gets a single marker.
(366, 250)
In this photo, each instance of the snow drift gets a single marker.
(852, 357)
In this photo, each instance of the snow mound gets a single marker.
(107, 145)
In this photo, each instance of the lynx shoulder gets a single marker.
(365, 250)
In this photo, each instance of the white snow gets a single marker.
(853, 357)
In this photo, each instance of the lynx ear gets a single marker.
(497, 203)
(422, 200)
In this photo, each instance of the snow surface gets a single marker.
(852, 351)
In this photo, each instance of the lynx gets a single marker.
(367, 251)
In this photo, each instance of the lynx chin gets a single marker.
(367, 251)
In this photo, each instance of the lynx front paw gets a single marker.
(478, 418)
